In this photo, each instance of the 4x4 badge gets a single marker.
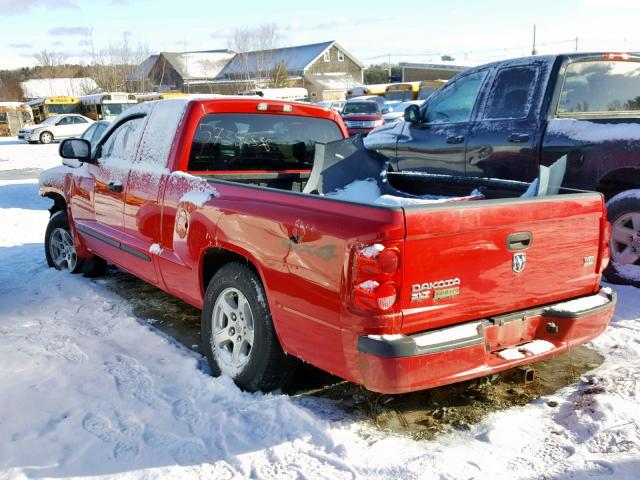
(519, 260)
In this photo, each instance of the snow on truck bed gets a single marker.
(89, 390)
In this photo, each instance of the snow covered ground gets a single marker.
(89, 390)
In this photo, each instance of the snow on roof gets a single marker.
(295, 58)
(196, 65)
(65, 87)
(141, 72)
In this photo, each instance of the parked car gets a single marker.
(336, 105)
(394, 112)
(56, 127)
(380, 100)
(361, 117)
(214, 202)
(504, 119)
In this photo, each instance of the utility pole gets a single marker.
(534, 51)
(576, 44)
(389, 66)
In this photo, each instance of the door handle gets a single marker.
(115, 187)
(519, 241)
(455, 139)
(519, 137)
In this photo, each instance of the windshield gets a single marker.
(237, 141)
(426, 92)
(397, 107)
(51, 120)
(401, 95)
(370, 108)
(63, 107)
(114, 109)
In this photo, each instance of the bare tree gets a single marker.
(53, 65)
(49, 58)
(255, 48)
(112, 65)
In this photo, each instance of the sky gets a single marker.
(373, 31)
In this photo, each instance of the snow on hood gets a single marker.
(54, 177)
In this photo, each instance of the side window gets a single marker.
(79, 120)
(64, 121)
(512, 93)
(455, 102)
(123, 142)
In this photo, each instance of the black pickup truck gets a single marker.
(507, 118)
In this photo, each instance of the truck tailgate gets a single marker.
(479, 259)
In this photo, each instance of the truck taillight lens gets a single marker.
(376, 278)
(605, 255)
(274, 107)
(617, 56)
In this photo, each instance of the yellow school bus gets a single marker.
(148, 97)
(45, 107)
(106, 106)
(428, 87)
(13, 116)
(379, 89)
(402, 92)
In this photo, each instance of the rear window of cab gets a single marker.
(600, 87)
(241, 141)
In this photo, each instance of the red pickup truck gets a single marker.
(207, 199)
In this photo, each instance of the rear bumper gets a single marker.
(404, 363)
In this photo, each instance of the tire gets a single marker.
(238, 334)
(623, 212)
(58, 244)
(46, 137)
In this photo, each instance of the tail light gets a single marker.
(617, 56)
(605, 239)
(376, 278)
(274, 107)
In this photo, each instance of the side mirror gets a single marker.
(412, 114)
(76, 148)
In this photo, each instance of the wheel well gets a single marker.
(215, 258)
(618, 181)
(58, 202)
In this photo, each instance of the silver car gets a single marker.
(55, 128)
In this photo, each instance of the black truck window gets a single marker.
(512, 93)
(266, 142)
(455, 102)
(600, 86)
